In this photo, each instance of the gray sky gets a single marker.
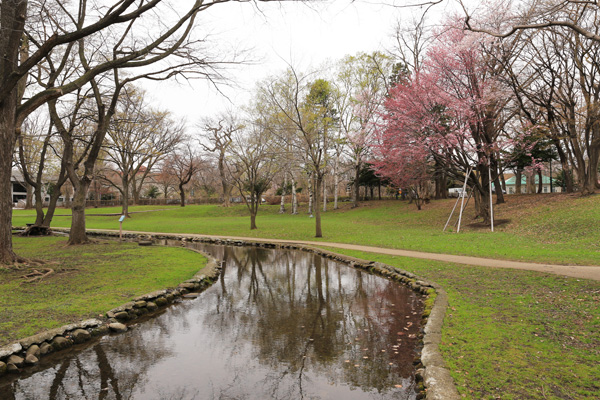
(305, 35)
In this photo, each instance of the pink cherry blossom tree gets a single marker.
(450, 115)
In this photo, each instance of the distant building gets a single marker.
(18, 190)
(511, 185)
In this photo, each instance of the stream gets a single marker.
(278, 324)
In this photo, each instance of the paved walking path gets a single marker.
(575, 271)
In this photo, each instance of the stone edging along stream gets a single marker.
(432, 372)
(28, 351)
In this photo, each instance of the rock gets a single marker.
(170, 297)
(151, 306)
(9, 349)
(140, 304)
(186, 285)
(16, 360)
(45, 348)
(142, 311)
(122, 316)
(12, 368)
(60, 342)
(99, 331)
(191, 295)
(80, 335)
(2, 368)
(34, 350)
(117, 327)
(161, 301)
(145, 243)
(89, 323)
(31, 359)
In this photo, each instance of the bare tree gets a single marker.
(46, 32)
(541, 14)
(217, 138)
(308, 107)
(361, 88)
(183, 164)
(138, 138)
(253, 166)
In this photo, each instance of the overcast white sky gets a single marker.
(305, 35)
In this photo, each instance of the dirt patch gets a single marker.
(481, 225)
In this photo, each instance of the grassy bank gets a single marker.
(515, 334)
(88, 280)
(542, 228)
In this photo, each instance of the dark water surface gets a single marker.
(277, 325)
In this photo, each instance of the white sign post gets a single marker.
(121, 227)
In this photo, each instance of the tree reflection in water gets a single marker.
(279, 324)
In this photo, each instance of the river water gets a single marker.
(278, 324)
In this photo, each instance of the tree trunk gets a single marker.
(294, 197)
(182, 195)
(125, 195)
(77, 235)
(7, 146)
(324, 196)
(51, 207)
(136, 194)
(564, 162)
(310, 194)
(531, 184)
(253, 220)
(319, 184)
(518, 177)
(13, 21)
(226, 187)
(336, 180)
(590, 181)
(540, 182)
(482, 189)
(336, 185)
(356, 184)
(29, 198)
(282, 205)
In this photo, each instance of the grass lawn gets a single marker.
(88, 280)
(512, 334)
(553, 228)
(508, 334)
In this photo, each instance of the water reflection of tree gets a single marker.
(293, 315)
(109, 369)
(303, 321)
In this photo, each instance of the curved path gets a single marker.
(575, 271)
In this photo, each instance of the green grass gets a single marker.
(508, 334)
(515, 334)
(548, 230)
(89, 280)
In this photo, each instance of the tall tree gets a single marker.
(253, 166)
(183, 164)
(66, 32)
(308, 106)
(362, 83)
(217, 138)
(138, 137)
